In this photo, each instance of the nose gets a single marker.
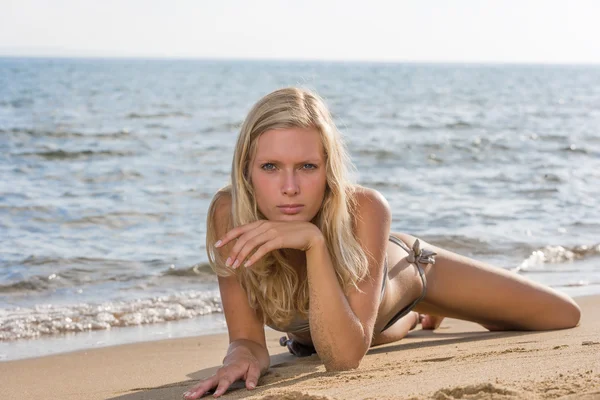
(290, 185)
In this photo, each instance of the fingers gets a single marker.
(264, 242)
(199, 390)
(271, 245)
(272, 235)
(245, 244)
(248, 242)
(225, 376)
(236, 232)
(252, 376)
(224, 384)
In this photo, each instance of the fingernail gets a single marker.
(218, 393)
(218, 243)
(228, 262)
(187, 394)
(247, 264)
(251, 385)
(235, 264)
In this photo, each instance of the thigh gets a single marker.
(464, 288)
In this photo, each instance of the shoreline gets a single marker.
(459, 359)
(48, 345)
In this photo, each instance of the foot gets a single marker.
(431, 322)
(416, 316)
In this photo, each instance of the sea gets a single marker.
(107, 168)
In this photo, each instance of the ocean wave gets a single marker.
(379, 154)
(475, 245)
(579, 284)
(41, 260)
(118, 175)
(33, 284)
(156, 126)
(200, 269)
(68, 134)
(377, 183)
(538, 191)
(225, 127)
(550, 177)
(71, 155)
(457, 125)
(479, 144)
(26, 323)
(17, 103)
(158, 115)
(557, 255)
(114, 220)
(117, 220)
(33, 208)
(75, 278)
(575, 149)
(550, 137)
(51, 273)
(417, 127)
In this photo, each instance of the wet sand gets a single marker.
(460, 360)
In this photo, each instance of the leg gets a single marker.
(463, 288)
(397, 331)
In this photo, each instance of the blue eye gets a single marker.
(268, 166)
(309, 166)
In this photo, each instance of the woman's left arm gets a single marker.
(342, 326)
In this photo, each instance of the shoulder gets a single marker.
(369, 203)
(221, 201)
(219, 212)
(218, 221)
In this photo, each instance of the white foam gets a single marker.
(556, 255)
(48, 319)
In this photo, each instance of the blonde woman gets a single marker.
(298, 247)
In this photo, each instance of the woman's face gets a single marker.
(288, 174)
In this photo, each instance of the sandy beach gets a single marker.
(458, 361)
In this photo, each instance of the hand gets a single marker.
(265, 236)
(241, 366)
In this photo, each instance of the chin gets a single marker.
(288, 218)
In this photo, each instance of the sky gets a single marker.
(486, 31)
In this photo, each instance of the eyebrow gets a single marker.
(275, 161)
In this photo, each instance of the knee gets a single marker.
(568, 315)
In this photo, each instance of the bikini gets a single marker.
(416, 256)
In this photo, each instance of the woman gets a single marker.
(292, 234)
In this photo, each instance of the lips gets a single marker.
(291, 209)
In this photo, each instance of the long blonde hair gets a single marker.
(272, 284)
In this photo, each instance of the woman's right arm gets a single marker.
(247, 357)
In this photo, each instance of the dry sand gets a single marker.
(458, 361)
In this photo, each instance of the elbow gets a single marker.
(342, 365)
(343, 361)
(345, 355)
